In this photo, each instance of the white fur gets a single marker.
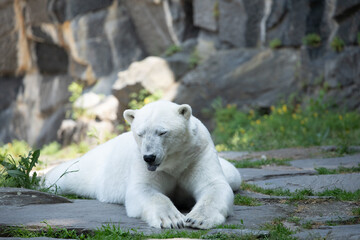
(186, 165)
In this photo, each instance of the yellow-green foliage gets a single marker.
(286, 126)
(194, 59)
(138, 100)
(337, 44)
(76, 90)
(312, 39)
(275, 43)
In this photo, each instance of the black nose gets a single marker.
(149, 158)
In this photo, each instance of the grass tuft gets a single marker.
(341, 169)
(245, 201)
(260, 163)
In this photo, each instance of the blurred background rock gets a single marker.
(68, 67)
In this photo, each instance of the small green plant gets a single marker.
(143, 97)
(18, 173)
(278, 231)
(51, 148)
(260, 163)
(337, 44)
(245, 201)
(307, 225)
(312, 39)
(287, 125)
(76, 90)
(356, 211)
(172, 49)
(275, 43)
(194, 59)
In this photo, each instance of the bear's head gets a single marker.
(160, 129)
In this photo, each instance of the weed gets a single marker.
(262, 162)
(294, 219)
(278, 231)
(285, 126)
(172, 49)
(275, 192)
(15, 148)
(337, 44)
(341, 169)
(356, 211)
(275, 43)
(18, 173)
(245, 201)
(312, 39)
(194, 59)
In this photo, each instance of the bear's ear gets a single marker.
(129, 115)
(185, 110)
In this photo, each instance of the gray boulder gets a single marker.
(155, 23)
(246, 77)
(205, 14)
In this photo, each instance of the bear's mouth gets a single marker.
(152, 167)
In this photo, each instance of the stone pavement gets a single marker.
(311, 218)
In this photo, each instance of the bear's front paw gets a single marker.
(166, 219)
(204, 221)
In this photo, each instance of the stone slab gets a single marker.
(92, 214)
(331, 163)
(22, 197)
(317, 183)
(254, 174)
(351, 232)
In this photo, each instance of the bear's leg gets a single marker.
(214, 205)
(153, 207)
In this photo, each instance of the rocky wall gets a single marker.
(224, 52)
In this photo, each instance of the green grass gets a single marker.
(356, 211)
(338, 194)
(110, 232)
(278, 231)
(275, 43)
(312, 39)
(337, 44)
(323, 171)
(259, 163)
(287, 125)
(245, 201)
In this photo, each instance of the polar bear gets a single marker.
(167, 156)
